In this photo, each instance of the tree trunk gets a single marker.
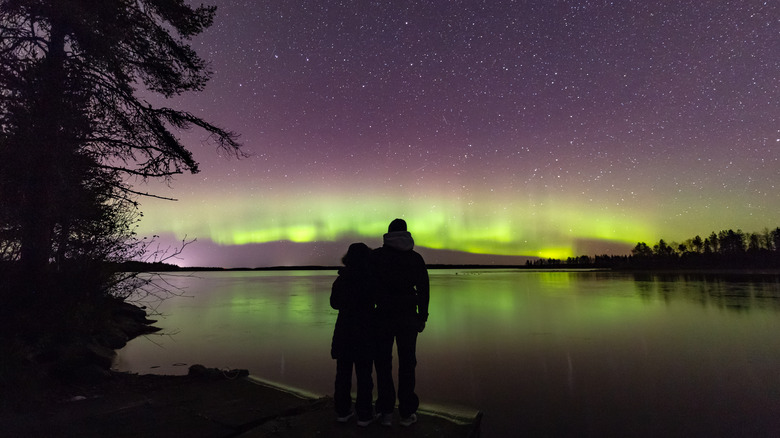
(42, 138)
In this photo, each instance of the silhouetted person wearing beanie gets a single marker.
(402, 296)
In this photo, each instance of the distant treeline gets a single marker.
(725, 249)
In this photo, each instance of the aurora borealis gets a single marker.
(529, 128)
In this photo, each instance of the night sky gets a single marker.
(527, 128)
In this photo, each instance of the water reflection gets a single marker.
(736, 292)
(540, 352)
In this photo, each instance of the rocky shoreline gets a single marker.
(206, 403)
(87, 357)
(69, 390)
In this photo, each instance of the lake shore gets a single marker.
(207, 403)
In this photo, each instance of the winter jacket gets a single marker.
(401, 278)
(351, 295)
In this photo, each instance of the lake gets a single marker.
(555, 353)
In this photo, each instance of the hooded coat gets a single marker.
(401, 278)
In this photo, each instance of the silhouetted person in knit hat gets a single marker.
(402, 295)
(352, 295)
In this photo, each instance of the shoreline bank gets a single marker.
(206, 404)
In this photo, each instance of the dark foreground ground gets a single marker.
(129, 405)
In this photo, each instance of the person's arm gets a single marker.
(423, 291)
(337, 293)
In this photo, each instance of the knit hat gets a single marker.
(397, 225)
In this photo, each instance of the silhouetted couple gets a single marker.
(382, 297)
